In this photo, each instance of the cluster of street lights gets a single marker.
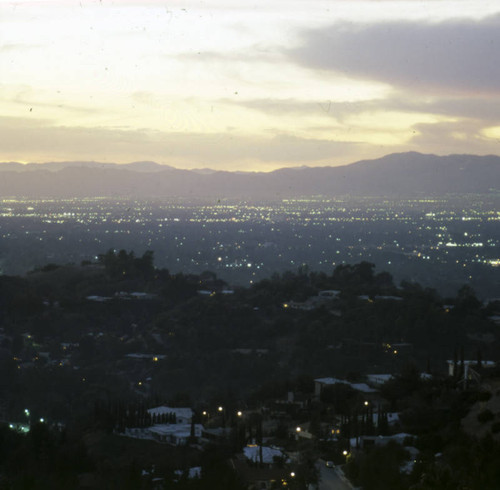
(25, 428)
(222, 411)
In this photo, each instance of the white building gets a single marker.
(378, 379)
(252, 453)
(175, 434)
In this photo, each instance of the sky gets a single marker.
(247, 85)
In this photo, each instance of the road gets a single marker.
(329, 478)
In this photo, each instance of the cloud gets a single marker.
(251, 54)
(16, 47)
(453, 138)
(486, 108)
(25, 139)
(460, 56)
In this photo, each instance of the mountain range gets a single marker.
(395, 175)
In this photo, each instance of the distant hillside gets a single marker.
(402, 174)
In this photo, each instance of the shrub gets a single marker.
(483, 396)
(485, 416)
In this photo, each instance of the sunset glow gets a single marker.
(248, 86)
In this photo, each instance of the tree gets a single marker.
(467, 301)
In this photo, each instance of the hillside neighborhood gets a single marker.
(177, 373)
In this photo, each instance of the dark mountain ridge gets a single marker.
(398, 174)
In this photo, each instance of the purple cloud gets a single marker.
(459, 56)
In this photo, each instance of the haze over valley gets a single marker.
(396, 175)
(441, 240)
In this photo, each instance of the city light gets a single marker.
(283, 228)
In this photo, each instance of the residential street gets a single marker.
(329, 478)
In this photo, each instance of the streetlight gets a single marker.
(223, 413)
(297, 433)
(240, 413)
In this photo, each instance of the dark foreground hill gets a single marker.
(395, 175)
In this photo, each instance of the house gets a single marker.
(495, 319)
(297, 305)
(174, 426)
(366, 441)
(363, 388)
(142, 296)
(139, 356)
(135, 295)
(313, 302)
(330, 293)
(378, 379)
(247, 352)
(191, 473)
(392, 418)
(175, 434)
(320, 383)
(467, 365)
(98, 299)
(263, 455)
(292, 403)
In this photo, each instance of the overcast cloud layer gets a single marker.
(460, 56)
